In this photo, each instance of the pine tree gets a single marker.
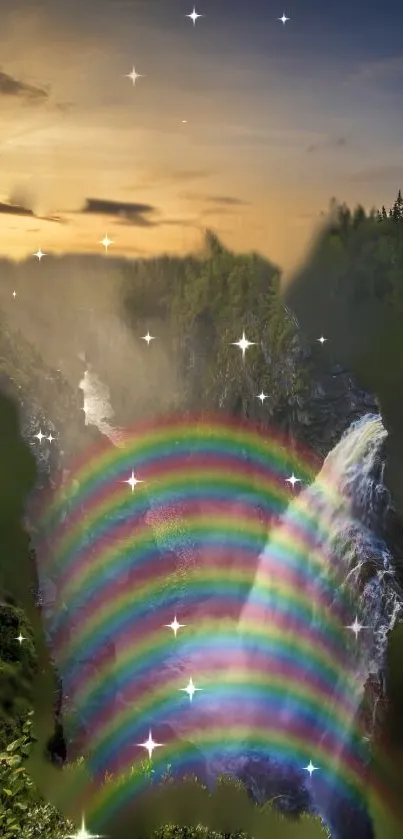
(397, 210)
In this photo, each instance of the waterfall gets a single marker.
(341, 520)
(282, 679)
(97, 408)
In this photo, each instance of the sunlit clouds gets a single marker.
(265, 126)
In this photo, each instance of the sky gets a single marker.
(239, 123)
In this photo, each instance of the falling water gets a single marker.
(325, 563)
(344, 513)
(97, 406)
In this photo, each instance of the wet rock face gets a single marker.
(315, 415)
(331, 402)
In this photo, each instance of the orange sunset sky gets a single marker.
(239, 123)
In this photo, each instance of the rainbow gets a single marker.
(117, 562)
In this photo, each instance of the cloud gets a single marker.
(377, 70)
(224, 202)
(15, 210)
(10, 86)
(21, 203)
(130, 213)
(126, 211)
(227, 200)
(372, 174)
(175, 176)
(327, 144)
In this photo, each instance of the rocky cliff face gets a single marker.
(331, 401)
(313, 400)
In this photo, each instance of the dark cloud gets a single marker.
(127, 211)
(227, 200)
(130, 213)
(222, 203)
(15, 210)
(330, 144)
(55, 219)
(10, 86)
(21, 203)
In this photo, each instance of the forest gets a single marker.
(207, 300)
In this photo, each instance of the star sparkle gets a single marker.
(20, 638)
(262, 396)
(311, 768)
(190, 689)
(322, 340)
(175, 626)
(39, 435)
(50, 437)
(150, 745)
(293, 480)
(39, 254)
(106, 242)
(133, 481)
(283, 19)
(194, 16)
(83, 833)
(243, 344)
(133, 76)
(148, 338)
(14, 294)
(356, 627)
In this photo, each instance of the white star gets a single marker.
(356, 627)
(39, 254)
(243, 344)
(133, 76)
(83, 833)
(283, 19)
(132, 481)
(322, 340)
(293, 480)
(175, 626)
(148, 338)
(106, 242)
(50, 438)
(194, 16)
(20, 638)
(310, 768)
(14, 294)
(262, 396)
(40, 436)
(190, 689)
(150, 745)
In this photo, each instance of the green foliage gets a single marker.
(208, 303)
(17, 668)
(22, 813)
(25, 815)
(373, 243)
